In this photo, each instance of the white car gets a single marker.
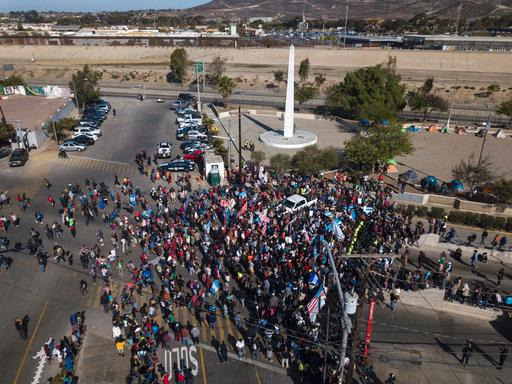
(84, 130)
(188, 118)
(199, 145)
(164, 149)
(72, 146)
(196, 135)
(185, 111)
(88, 134)
(295, 203)
(159, 100)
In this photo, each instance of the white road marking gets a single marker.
(42, 360)
(100, 160)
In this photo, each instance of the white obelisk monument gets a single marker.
(289, 138)
(290, 95)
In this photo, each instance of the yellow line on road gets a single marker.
(18, 372)
(203, 371)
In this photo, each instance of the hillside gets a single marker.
(382, 9)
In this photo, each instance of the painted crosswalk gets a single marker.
(107, 166)
(223, 330)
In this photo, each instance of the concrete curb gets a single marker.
(433, 299)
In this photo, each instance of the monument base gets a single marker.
(300, 139)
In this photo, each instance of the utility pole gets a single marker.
(486, 129)
(229, 146)
(240, 144)
(19, 132)
(346, 24)
(324, 377)
(76, 95)
(198, 90)
(451, 103)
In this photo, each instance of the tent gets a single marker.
(409, 175)
(460, 131)
(499, 134)
(391, 162)
(445, 130)
(392, 168)
(412, 128)
(456, 185)
(432, 128)
(429, 183)
(365, 122)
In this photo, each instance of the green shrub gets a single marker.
(480, 220)
(410, 210)
(437, 213)
(421, 211)
(508, 225)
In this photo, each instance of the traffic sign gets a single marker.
(199, 67)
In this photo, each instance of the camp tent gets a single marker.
(445, 130)
(392, 168)
(460, 131)
(429, 183)
(456, 185)
(412, 128)
(409, 175)
(391, 162)
(499, 134)
(432, 128)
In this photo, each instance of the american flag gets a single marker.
(316, 303)
(243, 209)
(264, 218)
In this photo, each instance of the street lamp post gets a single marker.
(451, 103)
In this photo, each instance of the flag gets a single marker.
(316, 303)
(336, 230)
(215, 286)
(367, 210)
(264, 218)
(243, 209)
(313, 280)
(207, 226)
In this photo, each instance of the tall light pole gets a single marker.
(451, 103)
(458, 19)
(346, 24)
(486, 130)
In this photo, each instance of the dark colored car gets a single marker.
(177, 166)
(187, 97)
(18, 157)
(4, 152)
(83, 139)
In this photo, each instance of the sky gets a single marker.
(94, 5)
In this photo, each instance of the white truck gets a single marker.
(295, 203)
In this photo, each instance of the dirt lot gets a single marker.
(32, 111)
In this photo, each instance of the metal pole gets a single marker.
(229, 146)
(240, 143)
(19, 132)
(451, 103)
(458, 19)
(76, 95)
(487, 127)
(346, 22)
(198, 90)
(345, 319)
(326, 341)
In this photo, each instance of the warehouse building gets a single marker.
(458, 43)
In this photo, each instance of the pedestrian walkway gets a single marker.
(111, 167)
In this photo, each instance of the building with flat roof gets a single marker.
(458, 43)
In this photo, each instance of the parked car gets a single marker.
(18, 157)
(192, 117)
(87, 130)
(71, 145)
(164, 149)
(5, 151)
(88, 123)
(84, 139)
(177, 166)
(199, 145)
(185, 111)
(189, 143)
(179, 104)
(187, 97)
(159, 100)
(194, 156)
(197, 135)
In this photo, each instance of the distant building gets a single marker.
(263, 19)
(458, 43)
(65, 28)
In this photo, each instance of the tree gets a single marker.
(505, 108)
(258, 157)
(377, 144)
(279, 78)
(304, 69)
(61, 128)
(226, 86)
(12, 81)
(493, 88)
(7, 132)
(83, 84)
(216, 69)
(474, 173)
(179, 64)
(320, 79)
(312, 160)
(281, 162)
(304, 92)
(503, 190)
(422, 100)
(368, 93)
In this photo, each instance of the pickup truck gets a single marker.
(295, 203)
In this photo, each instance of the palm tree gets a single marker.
(226, 86)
